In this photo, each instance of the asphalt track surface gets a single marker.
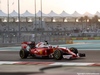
(92, 56)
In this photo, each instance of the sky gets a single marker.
(69, 6)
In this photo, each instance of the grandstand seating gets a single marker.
(54, 31)
(51, 26)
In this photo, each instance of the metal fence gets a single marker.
(53, 37)
(13, 37)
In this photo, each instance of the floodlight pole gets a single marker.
(8, 13)
(35, 12)
(41, 13)
(0, 4)
(41, 27)
(19, 32)
(35, 21)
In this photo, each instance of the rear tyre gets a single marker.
(58, 55)
(23, 53)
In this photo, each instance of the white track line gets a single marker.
(48, 63)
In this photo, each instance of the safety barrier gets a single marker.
(84, 38)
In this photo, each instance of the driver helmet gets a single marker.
(45, 42)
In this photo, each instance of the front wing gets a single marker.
(79, 55)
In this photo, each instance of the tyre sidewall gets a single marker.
(74, 50)
(23, 53)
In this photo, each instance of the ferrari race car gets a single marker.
(48, 51)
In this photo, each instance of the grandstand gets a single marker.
(55, 29)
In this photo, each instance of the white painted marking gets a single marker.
(72, 64)
(55, 63)
(7, 62)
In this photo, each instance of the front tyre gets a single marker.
(74, 50)
(23, 53)
(58, 55)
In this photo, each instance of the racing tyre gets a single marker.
(58, 55)
(74, 50)
(23, 53)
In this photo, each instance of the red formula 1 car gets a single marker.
(49, 51)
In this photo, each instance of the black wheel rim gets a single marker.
(57, 54)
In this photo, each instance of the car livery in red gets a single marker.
(51, 52)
